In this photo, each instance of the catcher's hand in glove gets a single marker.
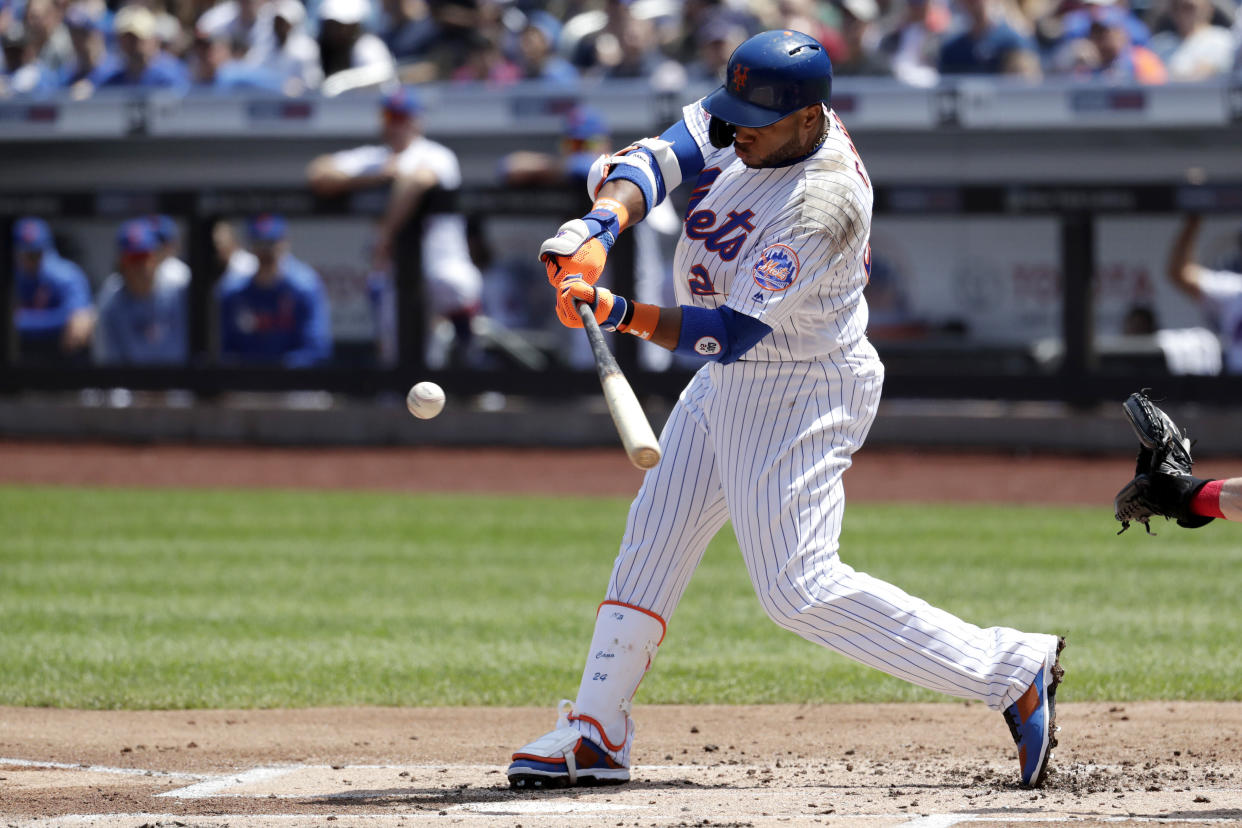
(1162, 484)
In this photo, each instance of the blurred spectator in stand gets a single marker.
(1218, 292)
(216, 65)
(408, 29)
(1106, 52)
(984, 43)
(423, 177)
(485, 62)
(46, 33)
(6, 16)
(90, 48)
(24, 74)
(593, 38)
(715, 41)
(456, 22)
(139, 61)
(1023, 64)
(278, 313)
(697, 17)
(54, 317)
(634, 53)
(351, 57)
(168, 29)
(142, 312)
(247, 23)
(911, 44)
(862, 41)
(169, 268)
(1194, 49)
(538, 58)
(290, 53)
(805, 16)
(1073, 19)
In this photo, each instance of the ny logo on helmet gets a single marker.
(740, 74)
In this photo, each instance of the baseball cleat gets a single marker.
(1032, 720)
(563, 758)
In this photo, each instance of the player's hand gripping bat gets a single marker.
(636, 434)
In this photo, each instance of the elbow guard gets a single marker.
(721, 335)
(651, 164)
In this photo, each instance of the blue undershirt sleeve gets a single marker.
(689, 156)
(721, 335)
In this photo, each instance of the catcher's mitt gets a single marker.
(1162, 484)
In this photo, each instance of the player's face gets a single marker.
(398, 130)
(269, 253)
(138, 271)
(791, 137)
(29, 261)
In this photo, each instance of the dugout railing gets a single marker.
(962, 371)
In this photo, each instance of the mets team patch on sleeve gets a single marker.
(777, 267)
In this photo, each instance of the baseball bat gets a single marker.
(636, 435)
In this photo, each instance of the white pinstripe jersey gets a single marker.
(785, 245)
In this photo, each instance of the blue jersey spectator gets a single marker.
(53, 317)
(88, 34)
(21, 71)
(217, 68)
(1077, 23)
(985, 46)
(140, 61)
(278, 312)
(537, 56)
(142, 318)
(408, 29)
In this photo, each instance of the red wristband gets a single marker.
(1206, 501)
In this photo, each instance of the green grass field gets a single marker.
(176, 599)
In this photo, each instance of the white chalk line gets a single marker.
(934, 821)
(29, 763)
(218, 786)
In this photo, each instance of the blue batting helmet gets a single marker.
(771, 75)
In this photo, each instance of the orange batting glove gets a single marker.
(581, 246)
(603, 301)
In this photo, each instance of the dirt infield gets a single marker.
(926, 765)
(879, 765)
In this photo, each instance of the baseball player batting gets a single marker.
(770, 269)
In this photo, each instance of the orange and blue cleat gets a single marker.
(1032, 720)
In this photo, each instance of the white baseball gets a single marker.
(425, 400)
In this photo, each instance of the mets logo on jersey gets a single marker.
(777, 267)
